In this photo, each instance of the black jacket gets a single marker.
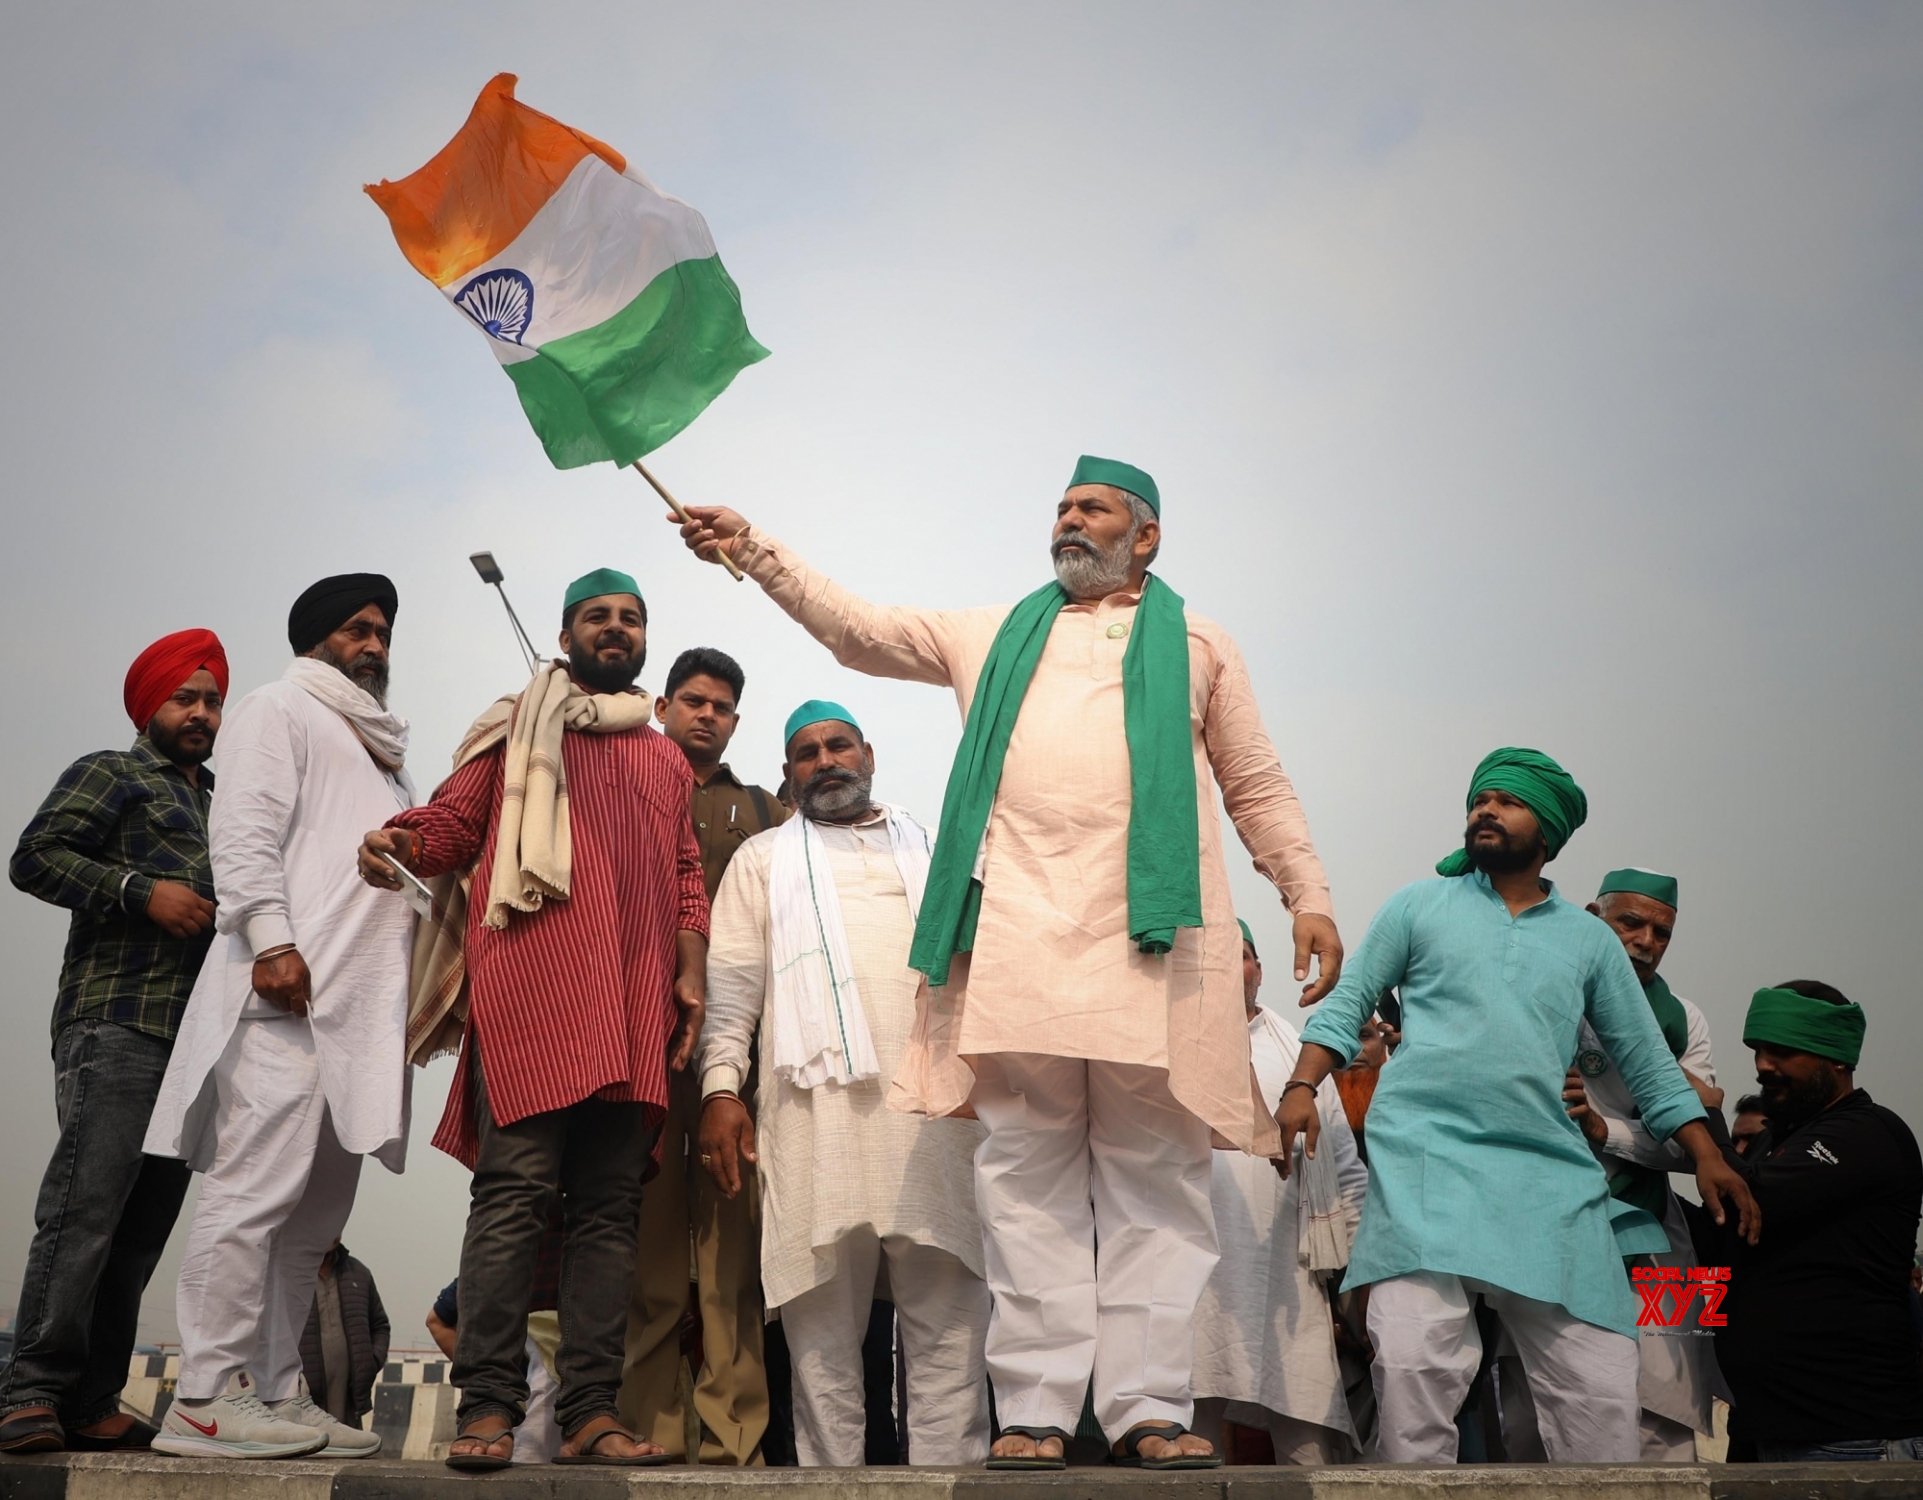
(1819, 1346)
(367, 1332)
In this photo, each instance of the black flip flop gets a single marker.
(1038, 1460)
(36, 1433)
(1128, 1452)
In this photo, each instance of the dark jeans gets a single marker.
(1844, 1450)
(589, 1158)
(101, 1222)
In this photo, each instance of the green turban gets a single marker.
(1248, 937)
(1092, 470)
(1783, 1018)
(816, 711)
(594, 585)
(1537, 782)
(1636, 882)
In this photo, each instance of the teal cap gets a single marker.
(815, 711)
(594, 585)
(1248, 937)
(1640, 883)
(1092, 470)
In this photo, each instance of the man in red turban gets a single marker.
(121, 841)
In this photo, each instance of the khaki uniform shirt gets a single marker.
(727, 814)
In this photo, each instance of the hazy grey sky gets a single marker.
(1513, 374)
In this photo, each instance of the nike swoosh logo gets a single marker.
(212, 1429)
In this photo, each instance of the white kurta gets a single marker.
(1263, 1330)
(835, 1158)
(298, 791)
(1678, 1365)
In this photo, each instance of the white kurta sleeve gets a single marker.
(737, 967)
(263, 753)
(1351, 1173)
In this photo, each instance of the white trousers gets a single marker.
(1582, 1379)
(271, 1205)
(1661, 1440)
(1080, 1154)
(1295, 1442)
(942, 1309)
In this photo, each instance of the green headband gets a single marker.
(1248, 937)
(594, 585)
(816, 711)
(1634, 882)
(1784, 1018)
(1092, 470)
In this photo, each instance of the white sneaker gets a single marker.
(342, 1441)
(235, 1424)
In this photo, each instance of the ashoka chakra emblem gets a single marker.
(501, 301)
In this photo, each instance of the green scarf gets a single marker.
(1648, 1187)
(1164, 863)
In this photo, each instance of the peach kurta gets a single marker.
(1053, 970)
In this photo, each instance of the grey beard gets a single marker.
(832, 798)
(370, 678)
(1088, 575)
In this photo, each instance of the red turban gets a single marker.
(158, 672)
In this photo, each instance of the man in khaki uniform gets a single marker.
(699, 712)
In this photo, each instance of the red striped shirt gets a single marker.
(576, 1000)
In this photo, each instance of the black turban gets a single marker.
(326, 606)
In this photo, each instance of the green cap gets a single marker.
(1092, 470)
(816, 711)
(1640, 883)
(594, 585)
(1248, 937)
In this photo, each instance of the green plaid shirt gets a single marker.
(116, 822)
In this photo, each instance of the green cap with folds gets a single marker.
(594, 585)
(1248, 937)
(816, 711)
(1640, 883)
(1092, 470)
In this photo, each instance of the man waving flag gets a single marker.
(602, 297)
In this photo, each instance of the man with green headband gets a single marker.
(1817, 1346)
(1481, 1187)
(1678, 1373)
(573, 985)
(1080, 947)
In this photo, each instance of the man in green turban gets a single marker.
(1817, 1343)
(1481, 1187)
(1080, 947)
(1675, 1386)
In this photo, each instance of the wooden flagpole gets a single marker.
(681, 512)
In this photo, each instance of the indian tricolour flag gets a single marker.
(602, 297)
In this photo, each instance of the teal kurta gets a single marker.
(1475, 1168)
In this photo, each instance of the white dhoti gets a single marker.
(1080, 1154)
(273, 1201)
(942, 1309)
(1582, 1379)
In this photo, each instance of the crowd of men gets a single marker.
(1009, 1074)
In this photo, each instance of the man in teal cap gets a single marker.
(1677, 1383)
(812, 927)
(1817, 1342)
(1481, 1186)
(1080, 945)
(564, 838)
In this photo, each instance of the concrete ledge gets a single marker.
(155, 1477)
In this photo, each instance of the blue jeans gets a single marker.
(101, 1222)
(1847, 1450)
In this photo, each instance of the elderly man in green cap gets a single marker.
(812, 927)
(573, 985)
(1480, 1184)
(1817, 1343)
(1678, 1368)
(1080, 946)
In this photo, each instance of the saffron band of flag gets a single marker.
(602, 297)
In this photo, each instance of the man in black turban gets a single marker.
(334, 622)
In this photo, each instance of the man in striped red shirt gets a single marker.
(586, 958)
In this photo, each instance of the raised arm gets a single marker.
(917, 645)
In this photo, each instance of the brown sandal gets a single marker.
(586, 1440)
(483, 1460)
